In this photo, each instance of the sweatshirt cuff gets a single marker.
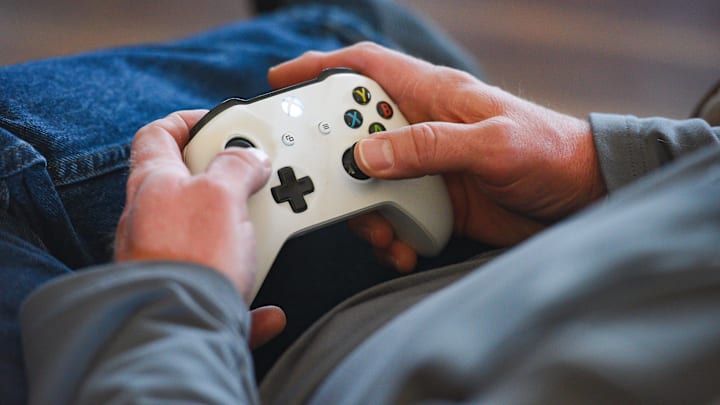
(629, 147)
(619, 148)
(213, 290)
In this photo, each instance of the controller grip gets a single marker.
(428, 239)
(420, 212)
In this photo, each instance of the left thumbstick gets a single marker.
(240, 143)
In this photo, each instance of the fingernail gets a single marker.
(376, 154)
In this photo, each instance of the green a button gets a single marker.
(376, 127)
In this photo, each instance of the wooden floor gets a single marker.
(645, 57)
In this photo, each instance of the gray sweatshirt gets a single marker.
(620, 303)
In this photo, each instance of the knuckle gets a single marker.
(242, 169)
(367, 46)
(459, 105)
(462, 106)
(240, 159)
(144, 131)
(454, 77)
(507, 141)
(174, 120)
(425, 140)
(174, 124)
(495, 102)
(368, 51)
(505, 129)
(312, 55)
(211, 187)
(235, 153)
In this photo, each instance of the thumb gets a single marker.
(244, 170)
(417, 150)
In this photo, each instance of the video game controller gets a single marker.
(309, 131)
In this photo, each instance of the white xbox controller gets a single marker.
(309, 131)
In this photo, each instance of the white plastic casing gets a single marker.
(419, 209)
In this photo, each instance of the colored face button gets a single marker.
(385, 110)
(292, 190)
(353, 118)
(376, 127)
(361, 95)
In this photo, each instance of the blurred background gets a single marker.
(643, 57)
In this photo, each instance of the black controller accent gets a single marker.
(240, 143)
(292, 190)
(241, 101)
(350, 165)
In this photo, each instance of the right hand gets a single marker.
(511, 166)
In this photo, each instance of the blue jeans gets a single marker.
(65, 130)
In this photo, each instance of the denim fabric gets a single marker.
(409, 31)
(65, 130)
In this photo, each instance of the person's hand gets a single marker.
(172, 215)
(267, 322)
(511, 166)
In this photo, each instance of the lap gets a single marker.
(620, 301)
(66, 125)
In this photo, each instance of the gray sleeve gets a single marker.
(618, 304)
(629, 147)
(157, 332)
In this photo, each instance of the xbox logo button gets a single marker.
(292, 106)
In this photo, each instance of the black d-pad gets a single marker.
(292, 190)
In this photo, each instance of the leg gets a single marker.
(79, 114)
(25, 265)
(65, 130)
(404, 29)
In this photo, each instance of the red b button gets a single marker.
(385, 110)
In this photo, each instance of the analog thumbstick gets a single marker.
(240, 143)
(350, 166)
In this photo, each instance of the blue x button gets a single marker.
(353, 118)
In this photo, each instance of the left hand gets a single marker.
(172, 215)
